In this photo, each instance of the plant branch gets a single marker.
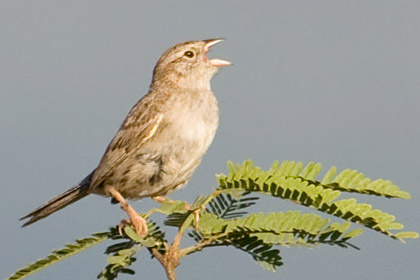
(170, 259)
(200, 245)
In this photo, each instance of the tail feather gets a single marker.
(59, 202)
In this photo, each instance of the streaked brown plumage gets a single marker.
(163, 138)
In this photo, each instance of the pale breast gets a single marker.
(196, 120)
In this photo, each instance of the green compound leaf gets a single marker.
(228, 206)
(293, 181)
(61, 254)
(288, 229)
(119, 263)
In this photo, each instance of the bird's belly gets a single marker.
(162, 166)
(152, 174)
(167, 161)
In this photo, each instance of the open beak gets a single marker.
(214, 61)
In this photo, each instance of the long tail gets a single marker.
(58, 202)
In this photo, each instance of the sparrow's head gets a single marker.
(187, 64)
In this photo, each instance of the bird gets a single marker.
(162, 140)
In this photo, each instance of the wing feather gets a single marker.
(141, 124)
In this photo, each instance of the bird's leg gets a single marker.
(196, 219)
(137, 221)
(160, 199)
(196, 214)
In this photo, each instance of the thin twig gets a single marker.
(155, 252)
(200, 245)
(192, 249)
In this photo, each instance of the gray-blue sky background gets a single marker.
(330, 81)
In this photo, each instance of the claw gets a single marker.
(122, 225)
(139, 224)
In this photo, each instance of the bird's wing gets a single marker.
(140, 125)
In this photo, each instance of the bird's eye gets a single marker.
(189, 54)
